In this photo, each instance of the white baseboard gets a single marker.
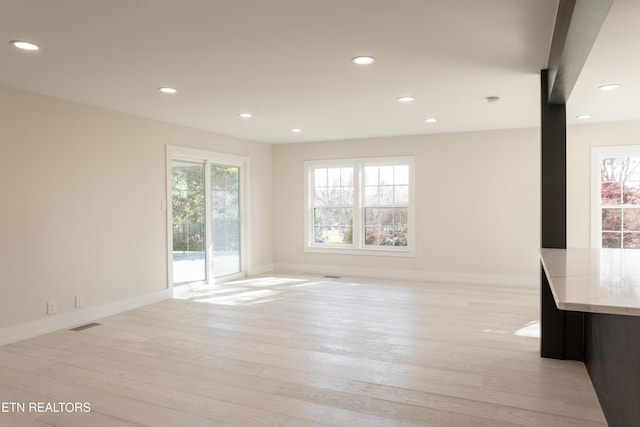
(78, 317)
(414, 275)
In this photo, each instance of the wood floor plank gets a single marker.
(299, 351)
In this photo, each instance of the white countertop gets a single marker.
(594, 280)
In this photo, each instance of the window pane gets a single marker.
(371, 236)
(611, 169)
(632, 240)
(631, 193)
(385, 216)
(346, 196)
(379, 216)
(631, 219)
(189, 221)
(400, 216)
(611, 240)
(385, 236)
(320, 177)
(611, 193)
(392, 185)
(371, 175)
(333, 225)
(401, 195)
(401, 176)
(321, 196)
(333, 175)
(346, 177)
(386, 175)
(620, 169)
(400, 236)
(371, 216)
(371, 195)
(386, 226)
(333, 187)
(335, 194)
(225, 219)
(386, 194)
(611, 219)
(634, 169)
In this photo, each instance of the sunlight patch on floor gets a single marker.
(531, 329)
(242, 298)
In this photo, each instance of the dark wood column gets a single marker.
(577, 25)
(554, 169)
(562, 332)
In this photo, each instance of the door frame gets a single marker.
(179, 153)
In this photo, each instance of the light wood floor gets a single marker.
(306, 351)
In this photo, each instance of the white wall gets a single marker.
(580, 140)
(81, 191)
(81, 203)
(478, 208)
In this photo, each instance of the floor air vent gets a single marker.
(83, 327)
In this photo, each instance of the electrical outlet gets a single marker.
(79, 301)
(52, 307)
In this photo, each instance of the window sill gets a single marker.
(407, 253)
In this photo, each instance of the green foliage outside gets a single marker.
(187, 190)
(188, 202)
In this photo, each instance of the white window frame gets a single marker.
(597, 154)
(358, 246)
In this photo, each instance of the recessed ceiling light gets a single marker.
(168, 90)
(363, 60)
(246, 115)
(25, 45)
(430, 120)
(492, 99)
(296, 130)
(611, 86)
(406, 98)
(583, 116)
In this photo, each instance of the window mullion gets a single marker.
(357, 207)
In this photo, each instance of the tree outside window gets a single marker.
(620, 202)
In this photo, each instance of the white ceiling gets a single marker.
(615, 58)
(289, 62)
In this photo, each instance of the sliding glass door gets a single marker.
(225, 219)
(206, 216)
(188, 211)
